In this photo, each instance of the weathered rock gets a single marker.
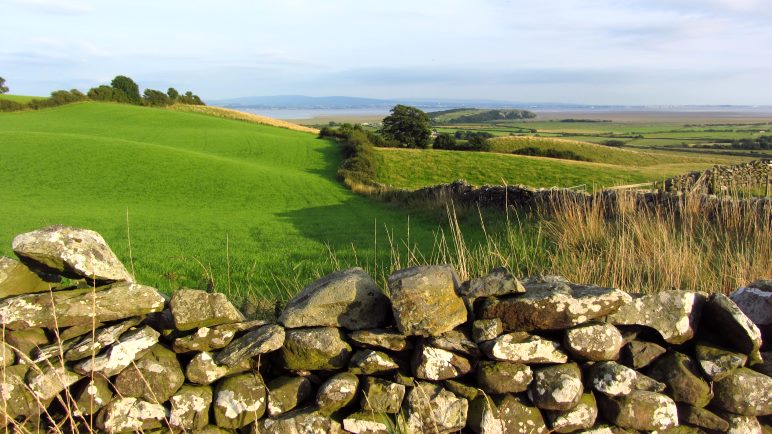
(26, 342)
(381, 338)
(483, 416)
(557, 387)
(436, 364)
(368, 423)
(553, 306)
(79, 330)
(742, 424)
(455, 341)
(503, 377)
(371, 362)
(314, 349)
(202, 369)
(92, 395)
(337, 392)
(350, 299)
(305, 420)
(205, 339)
(51, 351)
(154, 377)
(461, 389)
(130, 346)
(613, 379)
(701, 417)
(239, 400)
(683, 380)
(744, 392)
(71, 252)
(764, 367)
(522, 347)
(486, 329)
(48, 381)
(755, 300)
(381, 396)
(728, 320)
(432, 409)
(79, 306)
(594, 342)
(639, 354)
(101, 338)
(424, 300)
(15, 397)
(285, 393)
(717, 362)
(7, 355)
(582, 416)
(262, 340)
(131, 414)
(640, 410)
(193, 308)
(17, 279)
(674, 314)
(497, 283)
(519, 416)
(190, 408)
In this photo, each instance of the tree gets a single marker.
(129, 87)
(444, 141)
(3, 87)
(173, 94)
(154, 97)
(409, 126)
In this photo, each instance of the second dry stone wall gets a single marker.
(428, 353)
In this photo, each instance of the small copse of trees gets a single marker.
(360, 164)
(407, 127)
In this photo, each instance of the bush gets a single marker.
(359, 164)
(10, 106)
(155, 98)
(444, 141)
(107, 93)
(613, 143)
(549, 153)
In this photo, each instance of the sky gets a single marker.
(630, 52)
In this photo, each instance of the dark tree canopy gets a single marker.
(408, 126)
(107, 93)
(444, 141)
(3, 87)
(172, 93)
(129, 87)
(154, 97)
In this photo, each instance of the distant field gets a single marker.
(21, 99)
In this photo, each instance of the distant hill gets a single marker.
(473, 115)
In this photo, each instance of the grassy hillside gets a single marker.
(253, 207)
(21, 99)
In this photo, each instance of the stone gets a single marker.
(15, 398)
(436, 364)
(285, 393)
(337, 392)
(203, 370)
(742, 424)
(17, 279)
(483, 416)
(553, 307)
(239, 400)
(25, 342)
(486, 329)
(372, 362)
(701, 417)
(385, 339)
(48, 381)
(503, 377)
(194, 308)
(717, 362)
(613, 379)
(80, 306)
(755, 301)
(461, 389)
(71, 252)
(101, 338)
(368, 423)
(381, 396)
(7, 355)
(594, 342)
(683, 380)
(154, 377)
(130, 346)
(744, 392)
(728, 320)
(190, 408)
(350, 299)
(674, 314)
(455, 341)
(519, 416)
(640, 410)
(262, 340)
(313, 349)
(92, 395)
(557, 387)
(497, 283)
(51, 351)
(131, 414)
(205, 339)
(432, 409)
(639, 354)
(424, 300)
(79, 330)
(522, 347)
(305, 420)
(582, 416)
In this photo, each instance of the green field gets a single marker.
(253, 207)
(21, 99)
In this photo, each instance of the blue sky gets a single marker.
(575, 51)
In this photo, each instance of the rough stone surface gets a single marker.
(17, 279)
(367, 423)
(337, 392)
(154, 377)
(437, 364)
(553, 306)
(49, 381)
(305, 421)
(521, 347)
(639, 354)
(193, 308)
(372, 362)
(424, 300)
(755, 300)
(456, 341)
(17, 400)
(205, 339)
(497, 283)
(557, 387)
(101, 338)
(682, 377)
(674, 314)
(92, 395)
(71, 252)
(79, 306)
(239, 400)
(285, 393)
(381, 338)
(594, 342)
(461, 389)
(381, 396)
(744, 392)
(486, 329)
(7, 355)
(26, 342)
(503, 377)
(261, 340)
(726, 318)
(640, 410)
(131, 414)
(717, 362)
(190, 408)
(350, 299)
(519, 416)
(613, 379)
(483, 416)
(432, 409)
(131, 346)
(582, 416)
(701, 417)
(202, 369)
(742, 424)
(314, 349)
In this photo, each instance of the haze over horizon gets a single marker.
(628, 52)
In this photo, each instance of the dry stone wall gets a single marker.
(755, 174)
(427, 353)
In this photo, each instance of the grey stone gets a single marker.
(497, 283)
(239, 400)
(372, 362)
(130, 346)
(337, 392)
(381, 338)
(640, 410)
(322, 348)
(717, 362)
(594, 342)
(48, 381)
(613, 379)
(131, 414)
(522, 347)
(432, 409)
(202, 369)
(71, 252)
(436, 364)
(205, 339)
(381, 396)
(557, 387)
(7, 355)
(486, 329)
(728, 320)
(424, 300)
(17, 279)
(17, 400)
(701, 417)
(51, 351)
(262, 340)
(519, 416)
(503, 377)
(25, 342)
(194, 308)
(744, 392)
(582, 416)
(553, 307)
(455, 341)
(304, 420)
(79, 306)
(102, 337)
(755, 300)
(742, 424)
(639, 354)
(350, 299)
(683, 379)
(368, 423)
(92, 395)
(483, 416)
(285, 393)
(674, 314)
(190, 408)
(154, 377)
(461, 389)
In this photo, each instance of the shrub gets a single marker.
(10, 106)
(550, 153)
(613, 143)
